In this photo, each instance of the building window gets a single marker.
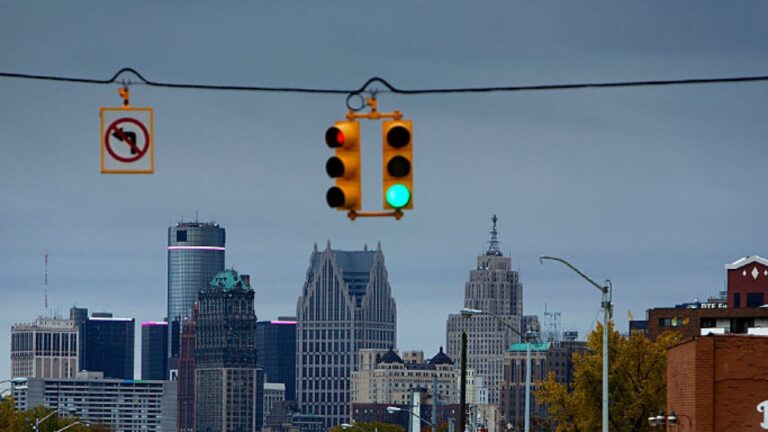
(737, 300)
(754, 299)
(181, 236)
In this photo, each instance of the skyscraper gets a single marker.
(276, 348)
(195, 255)
(106, 343)
(345, 305)
(154, 350)
(47, 348)
(495, 288)
(186, 379)
(229, 388)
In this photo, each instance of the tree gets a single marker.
(370, 427)
(22, 421)
(637, 384)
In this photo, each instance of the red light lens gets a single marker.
(340, 138)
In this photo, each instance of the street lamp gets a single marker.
(38, 421)
(663, 420)
(346, 426)
(14, 381)
(394, 409)
(607, 291)
(72, 424)
(21, 387)
(468, 312)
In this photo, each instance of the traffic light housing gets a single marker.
(397, 161)
(345, 167)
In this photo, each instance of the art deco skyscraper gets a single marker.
(346, 305)
(229, 388)
(495, 288)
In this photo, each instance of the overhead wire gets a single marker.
(115, 79)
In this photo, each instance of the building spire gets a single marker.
(493, 244)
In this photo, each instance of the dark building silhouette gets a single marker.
(154, 350)
(229, 387)
(106, 343)
(186, 377)
(276, 348)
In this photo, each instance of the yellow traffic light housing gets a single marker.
(397, 161)
(345, 167)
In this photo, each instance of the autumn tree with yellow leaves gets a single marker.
(636, 380)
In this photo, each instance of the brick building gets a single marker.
(740, 310)
(719, 383)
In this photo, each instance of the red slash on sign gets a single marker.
(117, 133)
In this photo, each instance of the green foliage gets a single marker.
(23, 421)
(637, 384)
(369, 427)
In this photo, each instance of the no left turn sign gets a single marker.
(127, 141)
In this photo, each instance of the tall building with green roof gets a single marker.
(229, 387)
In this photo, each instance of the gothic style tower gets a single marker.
(495, 288)
(346, 305)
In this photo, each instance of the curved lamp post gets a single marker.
(21, 387)
(38, 421)
(607, 290)
(394, 409)
(468, 312)
(72, 424)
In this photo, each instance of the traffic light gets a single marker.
(344, 137)
(397, 160)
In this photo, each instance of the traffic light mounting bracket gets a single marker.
(353, 214)
(374, 114)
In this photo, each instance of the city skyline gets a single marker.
(655, 188)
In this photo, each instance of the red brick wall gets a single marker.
(689, 384)
(718, 381)
(742, 280)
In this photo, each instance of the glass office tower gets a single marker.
(195, 255)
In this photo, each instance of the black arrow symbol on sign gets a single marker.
(127, 137)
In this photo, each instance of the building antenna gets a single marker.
(46, 280)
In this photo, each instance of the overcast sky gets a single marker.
(654, 188)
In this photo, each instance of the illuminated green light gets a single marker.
(398, 196)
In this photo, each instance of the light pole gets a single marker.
(10, 389)
(72, 424)
(468, 312)
(38, 421)
(607, 291)
(346, 426)
(394, 409)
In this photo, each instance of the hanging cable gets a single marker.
(389, 87)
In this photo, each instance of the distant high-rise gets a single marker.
(186, 378)
(154, 350)
(195, 255)
(47, 348)
(122, 405)
(495, 288)
(106, 343)
(345, 305)
(276, 348)
(229, 388)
